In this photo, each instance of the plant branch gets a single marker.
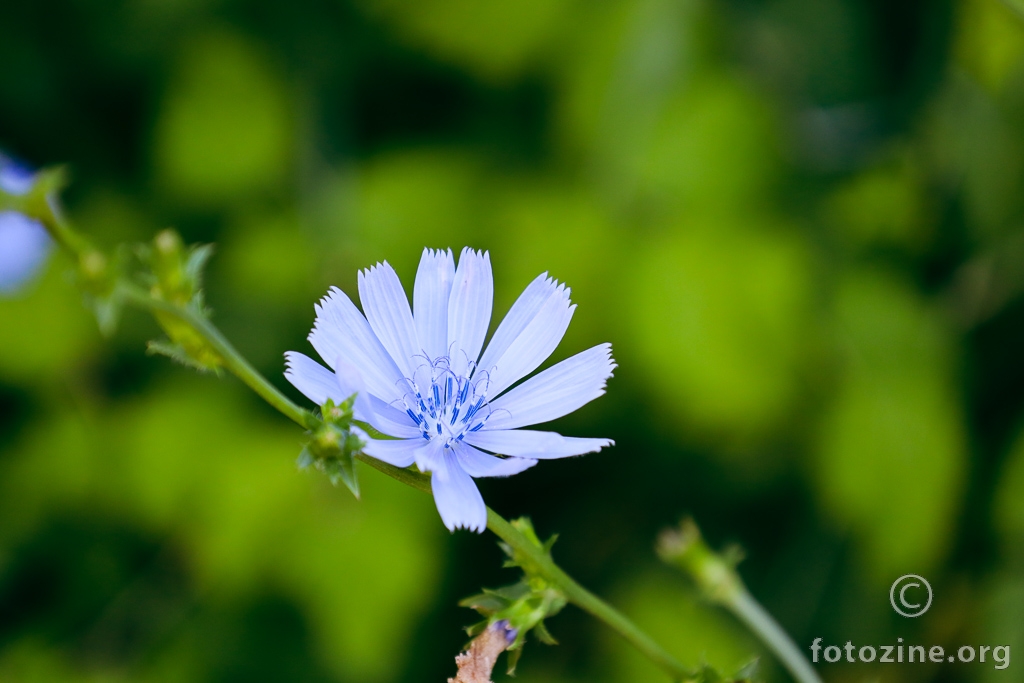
(576, 593)
(587, 601)
(716, 577)
(240, 367)
(233, 360)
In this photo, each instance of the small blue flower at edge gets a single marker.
(24, 243)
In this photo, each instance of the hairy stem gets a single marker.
(241, 368)
(587, 601)
(233, 360)
(576, 593)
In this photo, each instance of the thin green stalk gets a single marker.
(576, 593)
(233, 360)
(763, 624)
(587, 601)
(240, 367)
(717, 578)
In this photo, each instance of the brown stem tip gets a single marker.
(475, 665)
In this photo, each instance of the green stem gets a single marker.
(233, 360)
(576, 593)
(763, 624)
(587, 601)
(241, 368)
(718, 580)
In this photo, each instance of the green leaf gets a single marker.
(177, 353)
(524, 604)
(548, 544)
(484, 604)
(198, 255)
(513, 660)
(749, 671)
(348, 472)
(543, 635)
(107, 310)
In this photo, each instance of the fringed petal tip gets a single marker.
(316, 382)
(456, 496)
(438, 254)
(528, 443)
(475, 253)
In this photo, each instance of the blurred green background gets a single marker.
(799, 222)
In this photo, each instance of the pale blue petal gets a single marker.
(398, 452)
(533, 333)
(456, 495)
(388, 420)
(518, 317)
(527, 443)
(316, 382)
(341, 331)
(24, 245)
(479, 464)
(469, 309)
(428, 457)
(368, 408)
(557, 391)
(430, 297)
(387, 310)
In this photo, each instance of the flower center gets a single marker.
(446, 405)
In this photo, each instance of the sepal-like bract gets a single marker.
(333, 445)
(176, 276)
(525, 604)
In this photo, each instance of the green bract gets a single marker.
(175, 276)
(333, 445)
(526, 603)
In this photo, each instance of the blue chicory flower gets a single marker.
(24, 243)
(421, 377)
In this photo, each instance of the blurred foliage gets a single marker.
(798, 221)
